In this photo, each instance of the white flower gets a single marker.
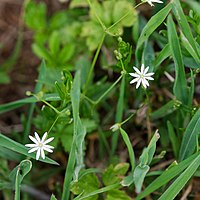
(150, 2)
(141, 76)
(40, 145)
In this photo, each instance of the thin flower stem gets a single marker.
(124, 16)
(127, 119)
(122, 64)
(48, 104)
(109, 89)
(100, 22)
(93, 63)
(53, 124)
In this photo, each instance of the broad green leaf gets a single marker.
(117, 195)
(194, 5)
(166, 176)
(151, 26)
(87, 184)
(188, 144)
(19, 148)
(112, 174)
(54, 43)
(181, 181)
(35, 15)
(180, 85)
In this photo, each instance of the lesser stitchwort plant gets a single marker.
(40, 145)
(141, 76)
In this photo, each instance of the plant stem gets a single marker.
(109, 89)
(93, 63)
(53, 124)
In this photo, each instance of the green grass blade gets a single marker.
(151, 26)
(19, 148)
(166, 176)
(180, 85)
(188, 144)
(130, 148)
(16, 104)
(182, 21)
(180, 182)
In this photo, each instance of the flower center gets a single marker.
(40, 145)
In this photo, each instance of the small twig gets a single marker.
(187, 192)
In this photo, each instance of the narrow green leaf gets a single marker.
(181, 181)
(166, 109)
(53, 197)
(180, 85)
(166, 176)
(19, 148)
(18, 174)
(173, 138)
(75, 99)
(99, 191)
(165, 53)
(182, 21)
(151, 26)
(16, 104)
(188, 144)
(130, 148)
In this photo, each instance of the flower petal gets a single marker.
(37, 137)
(149, 74)
(48, 146)
(33, 139)
(44, 137)
(149, 78)
(134, 80)
(47, 149)
(49, 140)
(146, 70)
(137, 70)
(42, 153)
(142, 69)
(38, 154)
(31, 145)
(134, 74)
(138, 83)
(33, 149)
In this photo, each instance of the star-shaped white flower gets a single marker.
(141, 77)
(150, 2)
(40, 145)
